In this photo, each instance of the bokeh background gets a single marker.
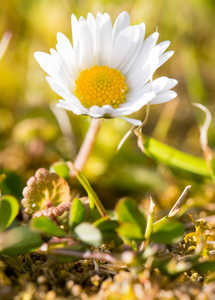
(35, 134)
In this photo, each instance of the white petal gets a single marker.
(72, 102)
(96, 44)
(139, 76)
(68, 49)
(151, 40)
(101, 111)
(133, 105)
(92, 25)
(77, 56)
(109, 110)
(138, 103)
(121, 111)
(51, 64)
(170, 84)
(144, 54)
(85, 41)
(122, 22)
(164, 97)
(158, 84)
(143, 27)
(164, 57)
(122, 46)
(63, 92)
(72, 108)
(104, 37)
(54, 53)
(75, 25)
(47, 63)
(132, 121)
(163, 46)
(66, 53)
(134, 50)
(99, 16)
(96, 111)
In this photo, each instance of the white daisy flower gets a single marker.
(107, 72)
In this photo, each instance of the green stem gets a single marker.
(175, 209)
(93, 198)
(160, 222)
(92, 194)
(150, 220)
(149, 226)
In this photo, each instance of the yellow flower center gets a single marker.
(100, 86)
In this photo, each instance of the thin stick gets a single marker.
(146, 117)
(86, 255)
(125, 138)
(175, 208)
(149, 225)
(88, 144)
(204, 139)
(138, 131)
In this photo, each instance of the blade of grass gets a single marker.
(172, 157)
(94, 200)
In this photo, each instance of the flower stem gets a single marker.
(88, 144)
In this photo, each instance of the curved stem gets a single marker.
(93, 198)
(87, 146)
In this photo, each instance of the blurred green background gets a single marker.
(32, 135)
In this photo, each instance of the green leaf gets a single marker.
(174, 158)
(205, 266)
(94, 199)
(61, 169)
(108, 228)
(19, 240)
(130, 231)
(12, 184)
(77, 213)
(105, 224)
(168, 233)
(89, 234)
(47, 226)
(9, 208)
(212, 167)
(128, 212)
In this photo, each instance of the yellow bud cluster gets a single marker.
(100, 85)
